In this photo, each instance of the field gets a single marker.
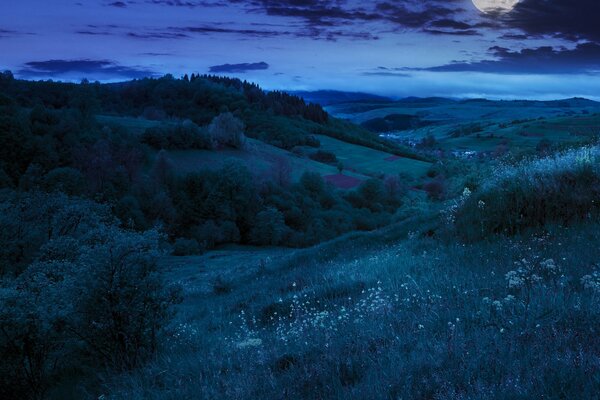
(431, 310)
(359, 162)
(372, 162)
(483, 125)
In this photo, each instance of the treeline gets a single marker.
(277, 118)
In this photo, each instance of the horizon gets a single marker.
(433, 48)
(547, 98)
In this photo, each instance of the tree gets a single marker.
(269, 228)
(227, 130)
(282, 171)
(92, 290)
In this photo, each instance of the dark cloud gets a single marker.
(239, 68)
(7, 33)
(187, 32)
(118, 4)
(158, 35)
(384, 71)
(583, 59)
(188, 4)
(97, 69)
(569, 19)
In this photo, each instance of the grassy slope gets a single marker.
(372, 162)
(260, 157)
(418, 319)
(567, 122)
(388, 314)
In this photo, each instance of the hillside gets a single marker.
(477, 126)
(160, 236)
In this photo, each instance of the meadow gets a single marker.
(199, 238)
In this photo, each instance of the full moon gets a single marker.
(490, 6)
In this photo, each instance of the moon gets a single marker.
(495, 6)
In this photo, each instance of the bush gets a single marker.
(85, 292)
(269, 228)
(67, 180)
(324, 157)
(436, 188)
(561, 188)
(181, 136)
(228, 130)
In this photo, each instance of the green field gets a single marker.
(372, 162)
(516, 125)
(259, 157)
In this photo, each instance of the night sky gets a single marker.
(541, 49)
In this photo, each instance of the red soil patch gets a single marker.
(393, 158)
(342, 181)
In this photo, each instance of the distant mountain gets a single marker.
(328, 97)
(428, 100)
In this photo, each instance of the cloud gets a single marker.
(583, 59)
(239, 68)
(118, 4)
(75, 69)
(568, 19)
(8, 33)
(188, 4)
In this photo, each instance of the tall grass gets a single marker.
(416, 320)
(563, 188)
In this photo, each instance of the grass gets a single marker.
(134, 125)
(260, 158)
(371, 162)
(419, 319)
(562, 188)
(407, 312)
(512, 123)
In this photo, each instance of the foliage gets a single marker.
(180, 136)
(562, 188)
(227, 130)
(324, 157)
(77, 290)
(450, 317)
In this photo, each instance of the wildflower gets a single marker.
(481, 204)
(421, 326)
(497, 305)
(515, 280)
(249, 343)
(592, 281)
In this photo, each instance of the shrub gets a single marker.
(436, 188)
(227, 130)
(181, 136)
(91, 290)
(324, 157)
(67, 180)
(561, 188)
(269, 228)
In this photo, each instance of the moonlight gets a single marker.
(490, 6)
